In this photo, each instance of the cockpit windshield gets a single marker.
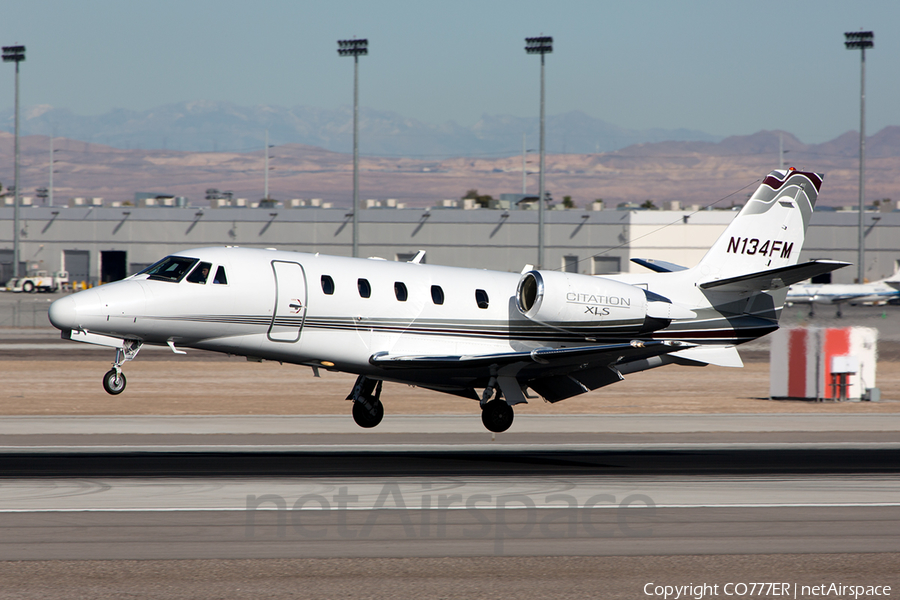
(171, 268)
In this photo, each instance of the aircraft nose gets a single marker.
(63, 313)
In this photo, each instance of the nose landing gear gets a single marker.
(114, 379)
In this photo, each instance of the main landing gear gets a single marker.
(368, 411)
(114, 379)
(496, 415)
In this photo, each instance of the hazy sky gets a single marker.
(721, 66)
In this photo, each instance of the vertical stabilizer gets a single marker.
(769, 231)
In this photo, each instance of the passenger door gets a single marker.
(290, 302)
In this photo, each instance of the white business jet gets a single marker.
(485, 335)
(876, 292)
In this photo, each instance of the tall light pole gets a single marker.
(50, 189)
(355, 48)
(852, 41)
(540, 45)
(266, 184)
(15, 54)
(525, 152)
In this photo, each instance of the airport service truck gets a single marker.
(38, 281)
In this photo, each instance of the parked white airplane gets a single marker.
(879, 291)
(460, 330)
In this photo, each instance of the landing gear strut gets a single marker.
(368, 411)
(114, 379)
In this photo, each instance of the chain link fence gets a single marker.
(24, 311)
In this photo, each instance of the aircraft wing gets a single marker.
(773, 279)
(549, 357)
(554, 373)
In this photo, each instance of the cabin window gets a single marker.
(220, 276)
(437, 294)
(481, 298)
(327, 285)
(171, 268)
(400, 291)
(200, 273)
(365, 290)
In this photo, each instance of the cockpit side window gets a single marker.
(171, 268)
(220, 276)
(200, 273)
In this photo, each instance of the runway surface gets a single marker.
(253, 487)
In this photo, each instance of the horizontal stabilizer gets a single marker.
(773, 279)
(659, 266)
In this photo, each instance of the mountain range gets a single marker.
(222, 126)
(422, 164)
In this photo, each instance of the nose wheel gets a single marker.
(114, 382)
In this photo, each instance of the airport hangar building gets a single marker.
(98, 244)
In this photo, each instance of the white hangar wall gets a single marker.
(590, 242)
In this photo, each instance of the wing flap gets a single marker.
(560, 387)
(721, 356)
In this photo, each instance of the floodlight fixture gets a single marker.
(540, 45)
(860, 40)
(355, 48)
(15, 54)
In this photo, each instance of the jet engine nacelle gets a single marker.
(592, 305)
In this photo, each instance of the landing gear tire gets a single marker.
(114, 382)
(497, 415)
(369, 413)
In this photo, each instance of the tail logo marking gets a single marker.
(752, 246)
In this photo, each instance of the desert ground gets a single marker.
(43, 375)
(237, 387)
